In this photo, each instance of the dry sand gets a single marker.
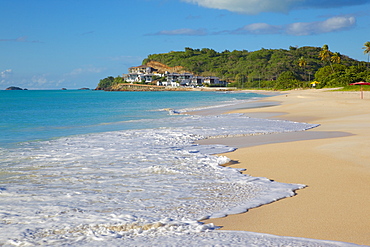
(333, 160)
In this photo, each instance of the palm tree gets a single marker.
(367, 51)
(302, 63)
(325, 55)
(336, 58)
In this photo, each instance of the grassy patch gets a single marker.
(355, 88)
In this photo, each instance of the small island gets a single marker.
(15, 88)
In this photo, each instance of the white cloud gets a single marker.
(259, 6)
(47, 81)
(5, 73)
(39, 79)
(258, 28)
(247, 6)
(334, 24)
(21, 39)
(87, 70)
(337, 23)
(183, 31)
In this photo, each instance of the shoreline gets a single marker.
(332, 160)
(124, 87)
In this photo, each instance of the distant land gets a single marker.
(296, 67)
(18, 88)
(15, 88)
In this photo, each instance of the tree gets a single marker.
(240, 80)
(324, 55)
(256, 66)
(105, 83)
(118, 80)
(287, 80)
(336, 58)
(329, 73)
(302, 63)
(189, 52)
(367, 50)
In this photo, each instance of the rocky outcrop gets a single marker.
(143, 87)
(162, 68)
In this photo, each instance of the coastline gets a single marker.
(144, 87)
(332, 160)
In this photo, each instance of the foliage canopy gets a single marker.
(265, 68)
(256, 68)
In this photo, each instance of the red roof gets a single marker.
(360, 83)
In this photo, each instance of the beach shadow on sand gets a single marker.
(256, 140)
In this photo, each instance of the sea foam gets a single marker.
(134, 186)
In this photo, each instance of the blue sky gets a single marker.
(50, 44)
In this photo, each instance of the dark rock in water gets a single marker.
(64, 88)
(14, 88)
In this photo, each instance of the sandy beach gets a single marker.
(333, 160)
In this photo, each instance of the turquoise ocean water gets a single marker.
(37, 115)
(93, 168)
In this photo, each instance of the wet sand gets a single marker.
(333, 160)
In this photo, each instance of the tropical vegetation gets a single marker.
(295, 67)
(367, 49)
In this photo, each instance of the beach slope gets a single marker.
(333, 160)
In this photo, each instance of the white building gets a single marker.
(146, 74)
(168, 83)
(142, 69)
(197, 81)
(211, 80)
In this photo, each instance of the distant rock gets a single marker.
(14, 88)
(84, 88)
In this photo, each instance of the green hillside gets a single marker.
(269, 68)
